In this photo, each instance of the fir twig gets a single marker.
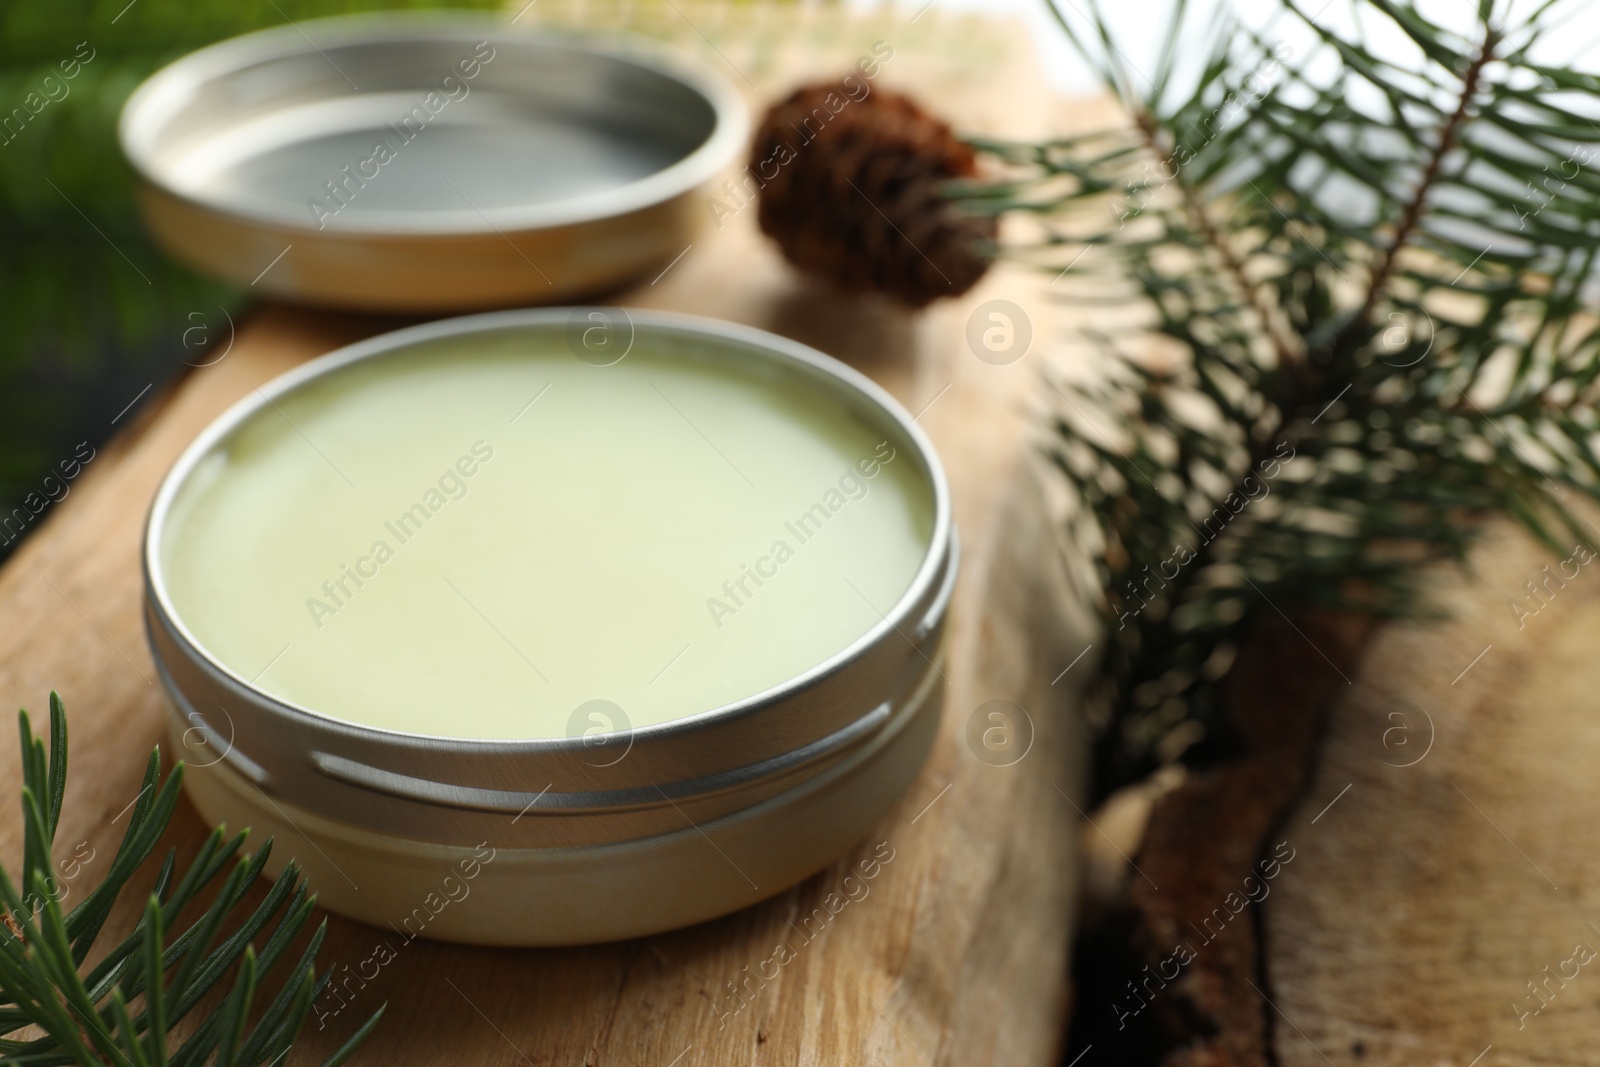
(1320, 436)
(123, 1010)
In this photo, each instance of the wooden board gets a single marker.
(1433, 787)
(959, 953)
(1444, 879)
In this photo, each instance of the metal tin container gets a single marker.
(428, 162)
(599, 835)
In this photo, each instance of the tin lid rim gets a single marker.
(730, 128)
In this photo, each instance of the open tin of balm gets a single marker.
(428, 161)
(637, 619)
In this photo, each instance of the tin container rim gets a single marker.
(730, 121)
(931, 577)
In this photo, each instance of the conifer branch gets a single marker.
(1347, 433)
(1413, 213)
(122, 1010)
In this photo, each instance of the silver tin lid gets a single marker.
(578, 790)
(428, 160)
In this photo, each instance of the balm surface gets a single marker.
(480, 537)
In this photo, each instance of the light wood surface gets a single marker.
(959, 953)
(1433, 786)
(1423, 901)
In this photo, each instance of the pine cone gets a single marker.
(855, 197)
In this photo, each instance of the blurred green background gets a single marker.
(90, 313)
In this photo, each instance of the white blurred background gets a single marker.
(1572, 33)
